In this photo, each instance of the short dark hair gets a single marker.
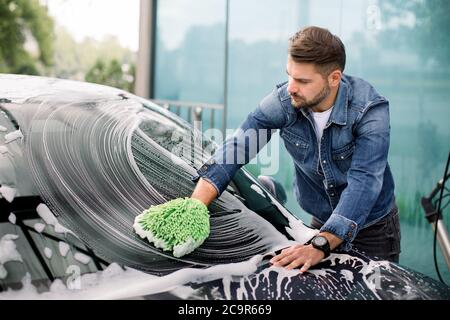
(318, 46)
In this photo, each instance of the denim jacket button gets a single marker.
(349, 234)
(324, 161)
(353, 226)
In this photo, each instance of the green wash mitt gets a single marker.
(180, 225)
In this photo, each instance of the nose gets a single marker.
(292, 87)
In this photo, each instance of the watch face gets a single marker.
(320, 241)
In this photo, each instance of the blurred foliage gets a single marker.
(112, 74)
(93, 61)
(420, 25)
(31, 43)
(26, 37)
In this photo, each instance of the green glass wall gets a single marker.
(190, 53)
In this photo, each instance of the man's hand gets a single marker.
(304, 255)
(298, 255)
(204, 191)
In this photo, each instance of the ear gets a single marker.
(334, 78)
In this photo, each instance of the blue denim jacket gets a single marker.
(345, 180)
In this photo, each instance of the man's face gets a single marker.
(306, 86)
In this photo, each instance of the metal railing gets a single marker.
(195, 111)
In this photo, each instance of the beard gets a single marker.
(300, 102)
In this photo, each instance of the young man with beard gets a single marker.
(336, 128)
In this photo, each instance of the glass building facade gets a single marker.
(234, 52)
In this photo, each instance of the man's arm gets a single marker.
(204, 191)
(333, 240)
(253, 134)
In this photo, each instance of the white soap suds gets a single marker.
(114, 270)
(370, 271)
(63, 248)
(12, 218)
(300, 232)
(184, 276)
(57, 287)
(186, 248)
(348, 275)
(39, 227)
(12, 136)
(185, 292)
(116, 283)
(28, 290)
(8, 193)
(3, 129)
(59, 228)
(48, 252)
(8, 252)
(80, 257)
(226, 283)
(282, 273)
(321, 272)
(158, 243)
(111, 283)
(48, 217)
(258, 190)
(4, 149)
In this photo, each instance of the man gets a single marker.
(336, 128)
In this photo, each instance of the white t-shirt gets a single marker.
(321, 119)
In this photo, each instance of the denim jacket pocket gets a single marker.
(343, 156)
(296, 145)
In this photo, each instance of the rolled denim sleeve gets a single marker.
(365, 176)
(239, 149)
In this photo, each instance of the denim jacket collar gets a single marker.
(344, 95)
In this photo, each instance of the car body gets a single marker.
(79, 161)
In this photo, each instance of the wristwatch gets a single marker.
(321, 243)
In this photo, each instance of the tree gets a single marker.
(112, 74)
(73, 60)
(25, 26)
